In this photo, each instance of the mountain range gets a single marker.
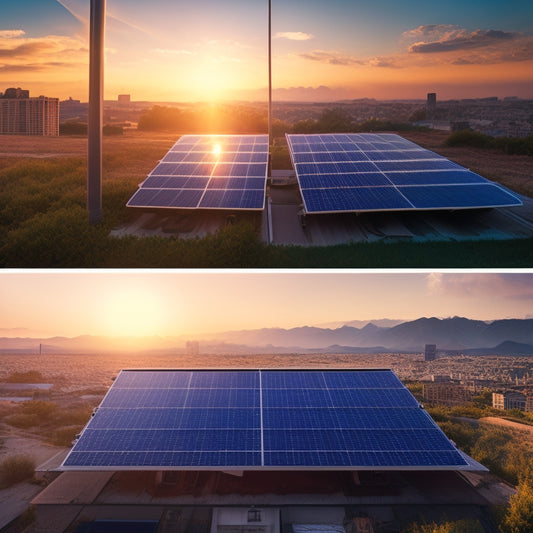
(455, 334)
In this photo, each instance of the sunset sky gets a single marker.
(179, 303)
(172, 50)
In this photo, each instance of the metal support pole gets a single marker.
(96, 101)
(269, 72)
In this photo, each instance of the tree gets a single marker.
(519, 517)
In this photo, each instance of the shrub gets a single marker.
(23, 421)
(439, 413)
(458, 526)
(64, 436)
(475, 139)
(519, 517)
(40, 408)
(17, 468)
(31, 376)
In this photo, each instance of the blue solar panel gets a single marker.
(186, 198)
(261, 419)
(354, 199)
(371, 172)
(204, 163)
(439, 177)
(462, 196)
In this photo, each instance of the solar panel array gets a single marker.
(261, 419)
(382, 172)
(208, 172)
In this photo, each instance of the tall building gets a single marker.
(431, 105)
(22, 115)
(430, 352)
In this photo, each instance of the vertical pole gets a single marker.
(96, 100)
(269, 72)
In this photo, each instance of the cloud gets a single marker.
(338, 58)
(26, 49)
(293, 35)
(454, 40)
(11, 34)
(21, 54)
(331, 58)
(514, 286)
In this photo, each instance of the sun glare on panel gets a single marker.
(217, 149)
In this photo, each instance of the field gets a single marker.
(44, 220)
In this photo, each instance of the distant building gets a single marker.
(22, 115)
(450, 394)
(124, 98)
(192, 347)
(431, 105)
(430, 352)
(441, 378)
(509, 400)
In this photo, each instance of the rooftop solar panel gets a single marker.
(357, 172)
(261, 419)
(212, 172)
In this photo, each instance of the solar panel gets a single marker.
(208, 172)
(261, 419)
(384, 172)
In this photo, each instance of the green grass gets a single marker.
(44, 223)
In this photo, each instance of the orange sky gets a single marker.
(168, 303)
(171, 50)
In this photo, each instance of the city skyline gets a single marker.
(172, 51)
(144, 303)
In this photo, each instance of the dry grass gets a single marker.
(138, 152)
(513, 171)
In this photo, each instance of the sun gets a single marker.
(133, 312)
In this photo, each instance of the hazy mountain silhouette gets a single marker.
(457, 333)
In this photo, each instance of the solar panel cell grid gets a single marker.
(261, 419)
(398, 163)
(195, 161)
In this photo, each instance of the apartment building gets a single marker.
(22, 115)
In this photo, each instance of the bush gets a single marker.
(64, 436)
(439, 413)
(44, 410)
(23, 421)
(17, 468)
(458, 526)
(519, 517)
(475, 139)
(31, 376)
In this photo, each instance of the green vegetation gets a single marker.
(44, 223)
(207, 118)
(519, 516)
(509, 145)
(458, 526)
(15, 469)
(81, 128)
(45, 417)
(505, 452)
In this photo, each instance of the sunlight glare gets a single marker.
(217, 149)
(133, 312)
